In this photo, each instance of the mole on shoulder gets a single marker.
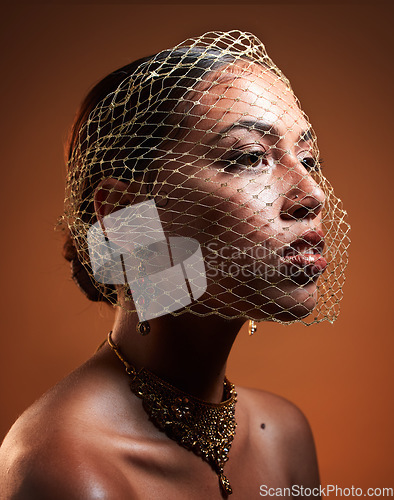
(262, 426)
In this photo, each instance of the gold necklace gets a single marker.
(207, 429)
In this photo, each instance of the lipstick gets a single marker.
(304, 256)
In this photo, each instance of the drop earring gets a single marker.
(252, 327)
(143, 327)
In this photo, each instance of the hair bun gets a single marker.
(80, 275)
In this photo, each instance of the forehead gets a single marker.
(253, 94)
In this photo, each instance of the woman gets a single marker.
(195, 201)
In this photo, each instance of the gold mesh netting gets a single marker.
(203, 154)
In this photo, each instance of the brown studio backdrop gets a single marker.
(338, 58)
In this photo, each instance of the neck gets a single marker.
(187, 351)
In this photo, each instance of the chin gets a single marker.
(287, 302)
(284, 301)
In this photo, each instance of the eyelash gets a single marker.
(316, 166)
(238, 161)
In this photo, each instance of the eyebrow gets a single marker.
(258, 125)
(264, 128)
(306, 136)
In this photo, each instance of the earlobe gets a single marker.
(111, 195)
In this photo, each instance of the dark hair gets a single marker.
(166, 91)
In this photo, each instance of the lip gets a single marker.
(304, 256)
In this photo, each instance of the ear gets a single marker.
(110, 196)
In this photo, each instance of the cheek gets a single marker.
(205, 209)
(235, 216)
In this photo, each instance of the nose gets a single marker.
(304, 198)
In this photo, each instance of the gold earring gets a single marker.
(143, 327)
(252, 327)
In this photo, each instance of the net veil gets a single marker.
(195, 185)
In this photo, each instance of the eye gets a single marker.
(311, 164)
(251, 160)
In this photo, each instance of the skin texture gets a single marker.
(89, 437)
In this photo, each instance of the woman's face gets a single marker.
(239, 181)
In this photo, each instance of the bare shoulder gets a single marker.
(283, 427)
(281, 414)
(52, 450)
(58, 471)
